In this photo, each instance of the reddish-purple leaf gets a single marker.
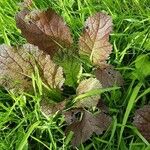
(102, 106)
(142, 121)
(45, 29)
(73, 115)
(94, 41)
(108, 76)
(15, 67)
(18, 64)
(89, 124)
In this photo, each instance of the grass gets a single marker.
(22, 126)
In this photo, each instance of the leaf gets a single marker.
(72, 68)
(14, 68)
(85, 86)
(142, 121)
(17, 65)
(147, 44)
(51, 73)
(109, 77)
(72, 115)
(94, 40)
(48, 108)
(89, 124)
(45, 29)
(143, 60)
(102, 106)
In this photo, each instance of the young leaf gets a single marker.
(94, 40)
(142, 121)
(17, 65)
(71, 67)
(109, 76)
(89, 124)
(88, 85)
(45, 29)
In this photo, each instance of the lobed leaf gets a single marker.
(17, 65)
(94, 40)
(73, 115)
(89, 124)
(72, 68)
(85, 86)
(108, 76)
(142, 121)
(45, 29)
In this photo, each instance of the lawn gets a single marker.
(23, 126)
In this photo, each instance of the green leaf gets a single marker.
(142, 64)
(147, 44)
(72, 69)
